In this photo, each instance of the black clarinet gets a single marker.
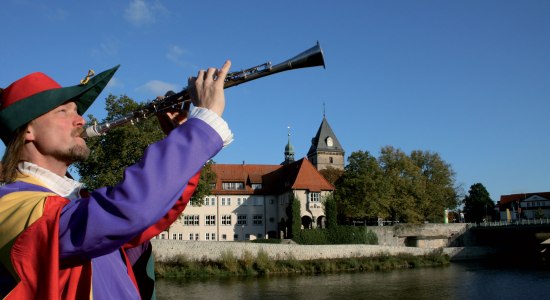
(310, 58)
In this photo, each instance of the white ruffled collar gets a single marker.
(63, 186)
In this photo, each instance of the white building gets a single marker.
(251, 201)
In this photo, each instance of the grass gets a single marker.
(261, 264)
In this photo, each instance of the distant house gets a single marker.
(250, 201)
(524, 206)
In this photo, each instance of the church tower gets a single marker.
(325, 150)
(289, 151)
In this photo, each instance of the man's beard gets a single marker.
(78, 152)
(74, 154)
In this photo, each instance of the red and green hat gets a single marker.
(36, 94)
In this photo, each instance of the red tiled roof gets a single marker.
(505, 199)
(275, 179)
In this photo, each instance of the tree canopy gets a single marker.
(395, 186)
(123, 146)
(478, 205)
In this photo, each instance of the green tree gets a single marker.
(123, 146)
(357, 191)
(331, 213)
(294, 215)
(477, 204)
(331, 174)
(439, 191)
(407, 188)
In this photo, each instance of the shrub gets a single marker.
(263, 263)
(336, 235)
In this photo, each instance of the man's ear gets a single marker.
(29, 133)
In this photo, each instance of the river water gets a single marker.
(469, 280)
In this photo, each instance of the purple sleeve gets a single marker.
(111, 216)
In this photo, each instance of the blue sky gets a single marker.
(468, 79)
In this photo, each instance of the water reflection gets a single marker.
(457, 281)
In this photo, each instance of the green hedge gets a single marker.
(336, 235)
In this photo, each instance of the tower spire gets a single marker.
(289, 150)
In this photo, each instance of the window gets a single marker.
(224, 237)
(174, 236)
(207, 236)
(210, 220)
(314, 197)
(258, 219)
(330, 160)
(226, 220)
(196, 236)
(241, 220)
(239, 201)
(256, 186)
(213, 236)
(162, 236)
(180, 236)
(190, 236)
(209, 201)
(191, 220)
(233, 186)
(226, 201)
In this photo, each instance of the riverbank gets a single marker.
(203, 259)
(166, 250)
(249, 264)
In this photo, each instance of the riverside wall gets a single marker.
(459, 241)
(165, 250)
(421, 239)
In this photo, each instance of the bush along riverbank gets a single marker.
(259, 264)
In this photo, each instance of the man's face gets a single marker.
(56, 134)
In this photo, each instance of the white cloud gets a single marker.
(139, 13)
(158, 88)
(108, 47)
(176, 54)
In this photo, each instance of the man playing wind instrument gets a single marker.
(59, 242)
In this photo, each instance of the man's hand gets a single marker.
(171, 119)
(206, 90)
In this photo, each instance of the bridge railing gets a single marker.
(513, 223)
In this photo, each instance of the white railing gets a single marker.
(513, 222)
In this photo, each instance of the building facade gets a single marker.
(251, 201)
(524, 206)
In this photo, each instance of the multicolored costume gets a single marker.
(51, 247)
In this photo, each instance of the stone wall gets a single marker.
(392, 240)
(419, 235)
(196, 250)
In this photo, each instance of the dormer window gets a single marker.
(232, 186)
